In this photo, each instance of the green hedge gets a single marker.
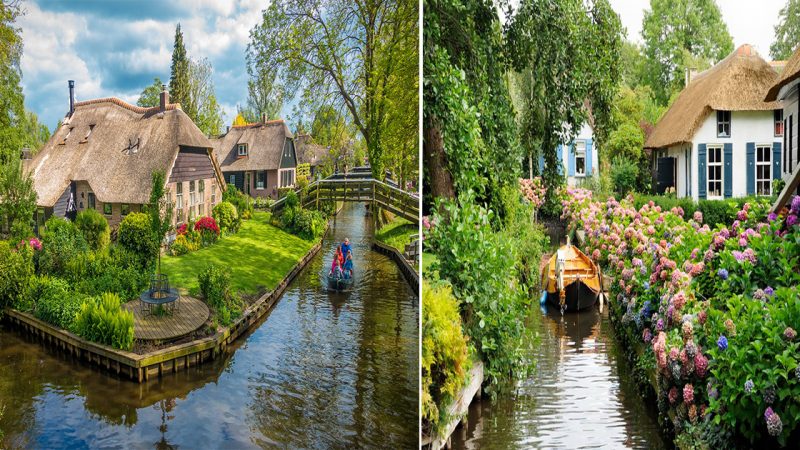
(714, 211)
(56, 303)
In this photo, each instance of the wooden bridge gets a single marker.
(358, 186)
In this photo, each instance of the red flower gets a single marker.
(206, 224)
(181, 229)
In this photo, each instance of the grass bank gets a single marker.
(397, 233)
(257, 257)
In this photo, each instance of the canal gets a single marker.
(320, 370)
(581, 394)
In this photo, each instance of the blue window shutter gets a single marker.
(701, 170)
(727, 161)
(541, 164)
(776, 160)
(588, 157)
(572, 159)
(751, 168)
(560, 158)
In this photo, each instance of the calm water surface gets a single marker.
(322, 370)
(581, 394)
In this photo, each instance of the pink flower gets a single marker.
(688, 393)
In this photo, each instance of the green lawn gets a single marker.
(427, 260)
(257, 257)
(397, 233)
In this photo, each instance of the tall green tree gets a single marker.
(265, 93)
(12, 109)
(151, 95)
(680, 34)
(339, 52)
(180, 76)
(207, 112)
(566, 53)
(787, 31)
(17, 199)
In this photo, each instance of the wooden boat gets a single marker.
(571, 281)
(339, 284)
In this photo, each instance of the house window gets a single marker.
(714, 172)
(580, 159)
(778, 116)
(92, 201)
(179, 202)
(107, 209)
(124, 209)
(201, 198)
(286, 178)
(213, 194)
(260, 179)
(723, 124)
(232, 179)
(763, 165)
(192, 200)
(242, 149)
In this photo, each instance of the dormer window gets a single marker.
(88, 133)
(723, 124)
(67, 136)
(242, 150)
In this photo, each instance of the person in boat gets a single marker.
(346, 248)
(348, 265)
(336, 264)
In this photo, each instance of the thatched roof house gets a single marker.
(258, 158)
(785, 90)
(310, 153)
(737, 83)
(106, 150)
(718, 126)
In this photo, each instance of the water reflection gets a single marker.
(321, 370)
(580, 395)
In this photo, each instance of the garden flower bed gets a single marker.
(710, 314)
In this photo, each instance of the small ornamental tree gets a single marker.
(160, 210)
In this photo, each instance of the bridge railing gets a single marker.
(359, 189)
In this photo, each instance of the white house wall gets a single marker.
(790, 107)
(746, 126)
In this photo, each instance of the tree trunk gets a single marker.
(435, 159)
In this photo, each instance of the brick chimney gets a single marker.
(264, 118)
(164, 98)
(71, 84)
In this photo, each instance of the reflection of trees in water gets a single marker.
(166, 407)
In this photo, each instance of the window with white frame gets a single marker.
(179, 202)
(714, 172)
(213, 194)
(242, 149)
(232, 179)
(201, 202)
(192, 199)
(580, 158)
(723, 124)
(260, 175)
(286, 178)
(763, 170)
(778, 116)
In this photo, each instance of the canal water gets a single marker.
(581, 394)
(322, 370)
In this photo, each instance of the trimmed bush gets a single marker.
(135, 234)
(102, 320)
(215, 285)
(624, 173)
(16, 271)
(226, 216)
(61, 241)
(56, 303)
(444, 352)
(94, 228)
(242, 202)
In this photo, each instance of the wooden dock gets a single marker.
(189, 315)
(457, 410)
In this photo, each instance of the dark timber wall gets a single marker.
(192, 164)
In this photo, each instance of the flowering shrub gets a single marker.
(181, 230)
(533, 191)
(715, 305)
(208, 229)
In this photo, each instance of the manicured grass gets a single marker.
(257, 257)
(397, 233)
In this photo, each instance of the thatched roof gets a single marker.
(789, 73)
(737, 83)
(97, 144)
(265, 141)
(308, 152)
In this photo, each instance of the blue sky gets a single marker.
(116, 48)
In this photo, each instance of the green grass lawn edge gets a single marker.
(397, 233)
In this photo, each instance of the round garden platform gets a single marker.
(189, 315)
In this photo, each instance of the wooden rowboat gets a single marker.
(571, 281)
(339, 284)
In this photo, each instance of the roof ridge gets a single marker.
(258, 124)
(126, 105)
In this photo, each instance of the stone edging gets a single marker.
(141, 368)
(409, 271)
